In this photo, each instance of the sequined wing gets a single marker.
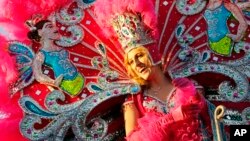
(24, 57)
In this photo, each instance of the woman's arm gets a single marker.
(131, 116)
(236, 11)
(38, 73)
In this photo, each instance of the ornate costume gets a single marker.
(42, 113)
(152, 109)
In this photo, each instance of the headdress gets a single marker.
(131, 31)
(33, 21)
(131, 23)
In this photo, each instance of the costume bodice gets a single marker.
(217, 22)
(151, 103)
(59, 62)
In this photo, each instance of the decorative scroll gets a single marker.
(75, 37)
(70, 115)
(234, 117)
(64, 17)
(187, 7)
(70, 21)
(246, 115)
(239, 93)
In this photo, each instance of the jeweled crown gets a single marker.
(131, 31)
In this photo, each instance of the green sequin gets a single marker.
(222, 47)
(73, 87)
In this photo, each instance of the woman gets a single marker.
(217, 14)
(67, 77)
(165, 110)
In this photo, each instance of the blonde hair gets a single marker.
(130, 71)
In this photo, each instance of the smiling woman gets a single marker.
(67, 78)
(159, 96)
(172, 110)
(138, 64)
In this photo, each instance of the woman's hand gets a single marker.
(182, 82)
(235, 38)
(190, 110)
(58, 80)
(198, 99)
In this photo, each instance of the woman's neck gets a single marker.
(213, 4)
(158, 79)
(159, 84)
(48, 44)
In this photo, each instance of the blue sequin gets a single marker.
(59, 62)
(134, 89)
(96, 88)
(217, 22)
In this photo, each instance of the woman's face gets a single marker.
(140, 63)
(49, 31)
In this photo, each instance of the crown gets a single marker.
(131, 31)
(33, 21)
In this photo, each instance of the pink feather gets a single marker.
(14, 13)
(10, 112)
(106, 10)
(8, 72)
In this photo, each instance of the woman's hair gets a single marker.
(33, 34)
(130, 71)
